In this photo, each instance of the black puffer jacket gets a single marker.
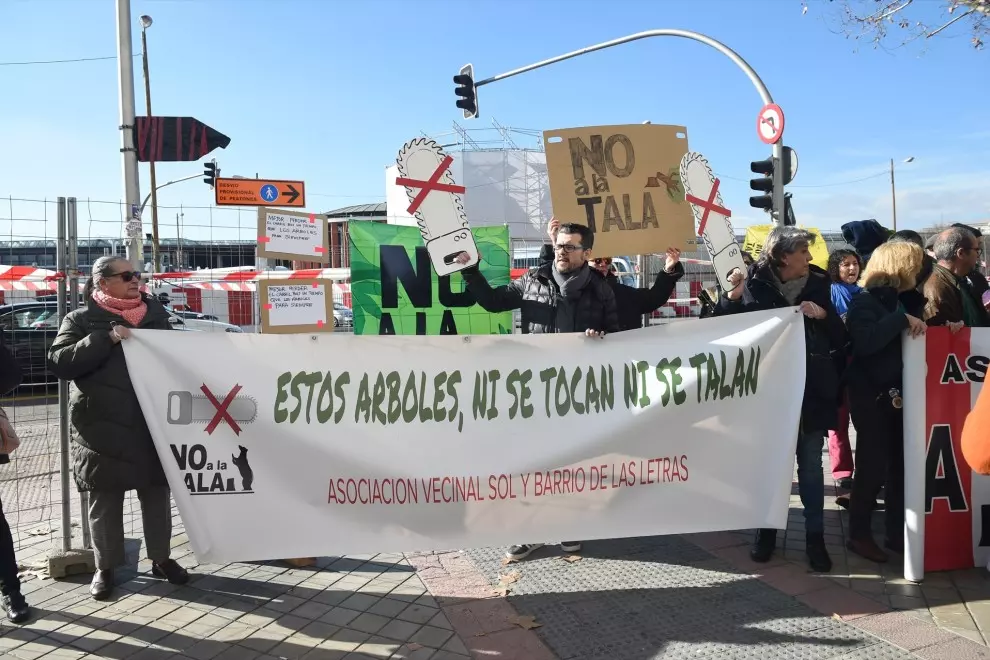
(875, 322)
(633, 302)
(112, 448)
(542, 307)
(825, 339)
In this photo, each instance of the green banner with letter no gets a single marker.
(394, 290)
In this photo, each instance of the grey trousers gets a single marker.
(106, 515)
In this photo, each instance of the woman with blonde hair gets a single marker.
(889, 305)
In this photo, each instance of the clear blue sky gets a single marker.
(327, 91)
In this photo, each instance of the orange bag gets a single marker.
(976, 434)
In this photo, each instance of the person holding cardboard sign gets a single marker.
(632, 302)
(564, 295)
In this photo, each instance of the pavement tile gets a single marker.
(957, 649)
(836, 600)
(509, 644)
(339, 616)
(369, 623)
(432, 637)
(481, 616)
(417, 613)
(903, 630)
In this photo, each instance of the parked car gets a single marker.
(199, 322)
(342, 315)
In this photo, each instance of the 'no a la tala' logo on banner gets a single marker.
(205, 467)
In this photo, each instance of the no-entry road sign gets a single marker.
(260, 192)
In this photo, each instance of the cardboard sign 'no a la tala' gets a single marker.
(624, 183)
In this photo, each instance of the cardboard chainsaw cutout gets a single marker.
(714, 227)
(435, 201)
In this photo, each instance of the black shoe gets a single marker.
(763, 546)
(171, 571)
(846, 483)
(16, 608)
(520, 552)
(894, 545)
(817, 553)
(102, 585)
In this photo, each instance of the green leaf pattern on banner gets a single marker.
(366, 286)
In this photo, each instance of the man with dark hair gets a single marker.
(564, 295)
(632, 302)
(977, 281)
(951, 298)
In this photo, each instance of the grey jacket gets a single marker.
(112, 447)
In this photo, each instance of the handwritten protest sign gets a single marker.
(299, 306)
(291, 235)
(624, 183)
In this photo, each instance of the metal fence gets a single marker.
(208, 280)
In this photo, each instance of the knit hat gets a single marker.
(865, 236)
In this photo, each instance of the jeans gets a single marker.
(811, 479)
(9, 582)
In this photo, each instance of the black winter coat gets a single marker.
(875, 325)
(542, 307)
(633, 302)
(112, 448)
(825, 339)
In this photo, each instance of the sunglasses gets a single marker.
(602, 262)
(128, 276)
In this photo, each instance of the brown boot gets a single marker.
(868, 549)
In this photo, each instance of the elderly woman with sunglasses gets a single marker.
(112, 451)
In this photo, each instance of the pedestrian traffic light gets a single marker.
(211, 173)
(467, 91)
(763, 184)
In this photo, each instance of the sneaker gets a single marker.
(171, 571)
(818, 557)
(570, 546)
(518, 552)
(16, 608)
(763, 546)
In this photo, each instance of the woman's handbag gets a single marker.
(8, 436)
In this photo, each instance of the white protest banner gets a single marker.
(291, 306)
(314, 445)
(292, 235)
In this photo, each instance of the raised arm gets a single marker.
(499, 299)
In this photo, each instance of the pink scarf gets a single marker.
(132, 310)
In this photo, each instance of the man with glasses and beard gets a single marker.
(632, 302)
(951, 298)
(564, 295)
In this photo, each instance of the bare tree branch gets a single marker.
(887, 24)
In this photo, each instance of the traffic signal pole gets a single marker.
(128, 153)
(778, 147)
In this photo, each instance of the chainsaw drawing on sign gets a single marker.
(714, 226)
(435, 201)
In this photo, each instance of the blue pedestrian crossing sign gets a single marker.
(269, 193)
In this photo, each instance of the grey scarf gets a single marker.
(790, 289)
(571, 284)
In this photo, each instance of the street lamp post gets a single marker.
(893, 195)
(156, 255)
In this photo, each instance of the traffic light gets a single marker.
(764, 184)
(211, 173)
(467, 91)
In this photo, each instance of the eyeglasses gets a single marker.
(568, 248)
(128, 276)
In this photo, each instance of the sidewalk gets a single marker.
(696, 596)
